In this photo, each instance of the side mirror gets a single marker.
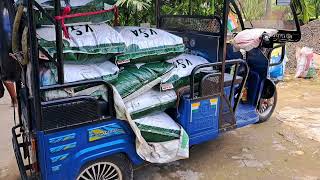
(283, 2)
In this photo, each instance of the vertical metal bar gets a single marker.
(244, 81)
(158, 4)
(59, 43)
(35, 87)
(222, 53)
(233, 80)
(190, 8)
(18, 88)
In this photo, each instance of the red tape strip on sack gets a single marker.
(66, 15)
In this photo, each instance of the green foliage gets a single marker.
(134, 12)
(310, 9)
(253, 9)
(137, 5)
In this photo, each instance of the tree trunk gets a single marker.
(268, 8)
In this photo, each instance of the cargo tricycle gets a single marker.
(79, 135)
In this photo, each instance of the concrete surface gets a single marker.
(286, 147)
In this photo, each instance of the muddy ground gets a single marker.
(286, 147)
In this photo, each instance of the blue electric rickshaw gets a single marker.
(51, 139)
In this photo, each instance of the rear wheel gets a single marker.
(266, 108)
(116, 167)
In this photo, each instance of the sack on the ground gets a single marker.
(180, 76)
(148, 44)
(78, 72)
(151, 102)
(77, 6)
(305, 63)
(158, 127)
(94, 39)
(137, 79)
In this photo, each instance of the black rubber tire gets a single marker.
(265, 117)
(120, 160)
(1, 89)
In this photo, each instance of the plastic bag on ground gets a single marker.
(250, 38)
(305, 63)
(150, 102)
(148, 45)
(183, 66)
(163, 152)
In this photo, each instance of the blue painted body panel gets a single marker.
(62, 154)
(200, 119)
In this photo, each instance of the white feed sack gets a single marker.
(151, 101)
(78, 72)
(88, 39)
(183, 67)
(146, 38)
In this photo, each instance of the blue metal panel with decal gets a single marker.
(56, 168)
(62, 138)
(63, 160)
(200, 118)
(63, 147)
(105, 132)
(59, 158)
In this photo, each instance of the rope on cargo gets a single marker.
(66, 15)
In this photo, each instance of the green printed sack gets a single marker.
(79, 72)
(148, 45)
(77, 6)
(151, 102)
(89, 39)
(137, 79)
(158, 127)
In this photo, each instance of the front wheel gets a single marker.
(266, 108)
(116, 167)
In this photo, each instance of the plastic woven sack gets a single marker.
(78, 72)
(95, 91)
(305, 63)
(158, 127)
(77, 6)
(148, 44)
(183, 66)
(154, 152)
(93, 39)
(250, 38)
(136, 79)
(151, 102)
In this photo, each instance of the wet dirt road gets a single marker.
(286, 147)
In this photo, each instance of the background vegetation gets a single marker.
(134, 12)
